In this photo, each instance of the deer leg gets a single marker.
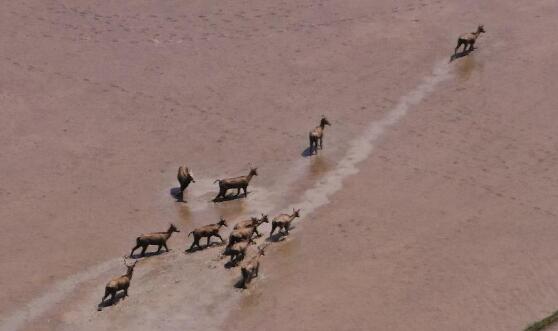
(321, 142)
(222, 193)
(193, 244)
(219, 236)
(133, 249)
(257, 233)
(107, 293)
(208, 240)
(273, 226)
(166, 248)
(286, 228)
(143, 249)
(471, 46)
(159, 248)
(245, 190)
(457, 47)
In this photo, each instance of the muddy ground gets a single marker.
(431, 207)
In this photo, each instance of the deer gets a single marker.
(154, 238)
(121, 283)
(237, 183)
(250, 269)
(185, 177)
(316, 136)
(237, 251)
(283, 222)
(207, 231)
(469, 39)
(241, 234)
(252, 222)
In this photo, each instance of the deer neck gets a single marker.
(322, 126)
(129, 274)
(249, 177)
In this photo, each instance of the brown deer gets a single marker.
(184, 176)
(121, 283)
(283, 222)
(316, 136)
(237, 251)
(241, 234)
(207, 231)
(237, 183)
(250, 269)
(253, 222)
(155, 238)
(469, 39)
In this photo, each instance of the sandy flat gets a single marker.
(432, 206)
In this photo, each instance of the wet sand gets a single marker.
(448, 223)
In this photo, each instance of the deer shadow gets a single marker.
(240, 284)
(148, 254)
(108, 302)
(232, 263)
(280, 235)
(230, 197)
(175, 193)
(201, 248)
(309, 151)
(461, 54)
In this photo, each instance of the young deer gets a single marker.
(254, 222)
(468, 39)
(316, 136)
(237, 183)
(155, 238)
(184, 177)
(121, 283)
(207, 231)
(249, 269)
(283, 222)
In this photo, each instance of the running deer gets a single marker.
(250, 269)
(254, 222)
(237, 183)
(121, 283)
(184, 176)
(207, 231)
(155, 238)
(468, 39)
(283, 222)
(316, 136)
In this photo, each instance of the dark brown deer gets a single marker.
(155, 238)
(121, 283)
(283, 222)
(207, 231)
(469, 39)
(316, 136)
(237, 183)
(184, 176)
(253, 222)
(249, 269)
